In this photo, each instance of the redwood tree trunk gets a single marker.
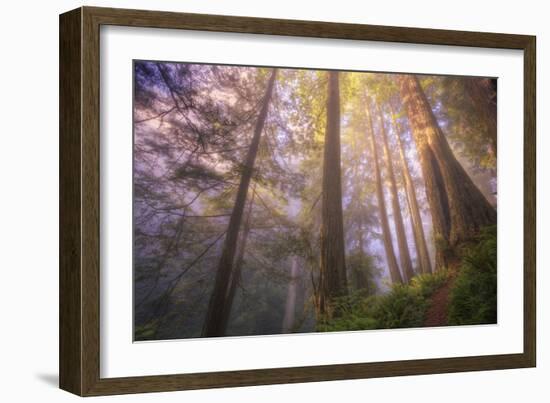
(416, 219)
(458, 207)
(214, 317)
(395, 274)
(333, 281)
(404, 255)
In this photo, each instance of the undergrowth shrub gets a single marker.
(473, 298)
(403, 306)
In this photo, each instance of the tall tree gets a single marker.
(213, 321)
(333, 281)
(395, 274)
(412, 202)
(292, 292)
(458, 207)
(239, 260)
(359, 277)
(404, 255)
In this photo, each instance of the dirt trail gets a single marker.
(439, 304)
(437, 312)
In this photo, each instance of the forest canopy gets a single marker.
(282, 200)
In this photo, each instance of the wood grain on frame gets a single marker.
(79, 200)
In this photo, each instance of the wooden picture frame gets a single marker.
(79, 200)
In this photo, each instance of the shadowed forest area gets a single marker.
(278, 200)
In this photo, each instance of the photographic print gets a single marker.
(273, 200)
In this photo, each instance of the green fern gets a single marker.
(473, 298)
